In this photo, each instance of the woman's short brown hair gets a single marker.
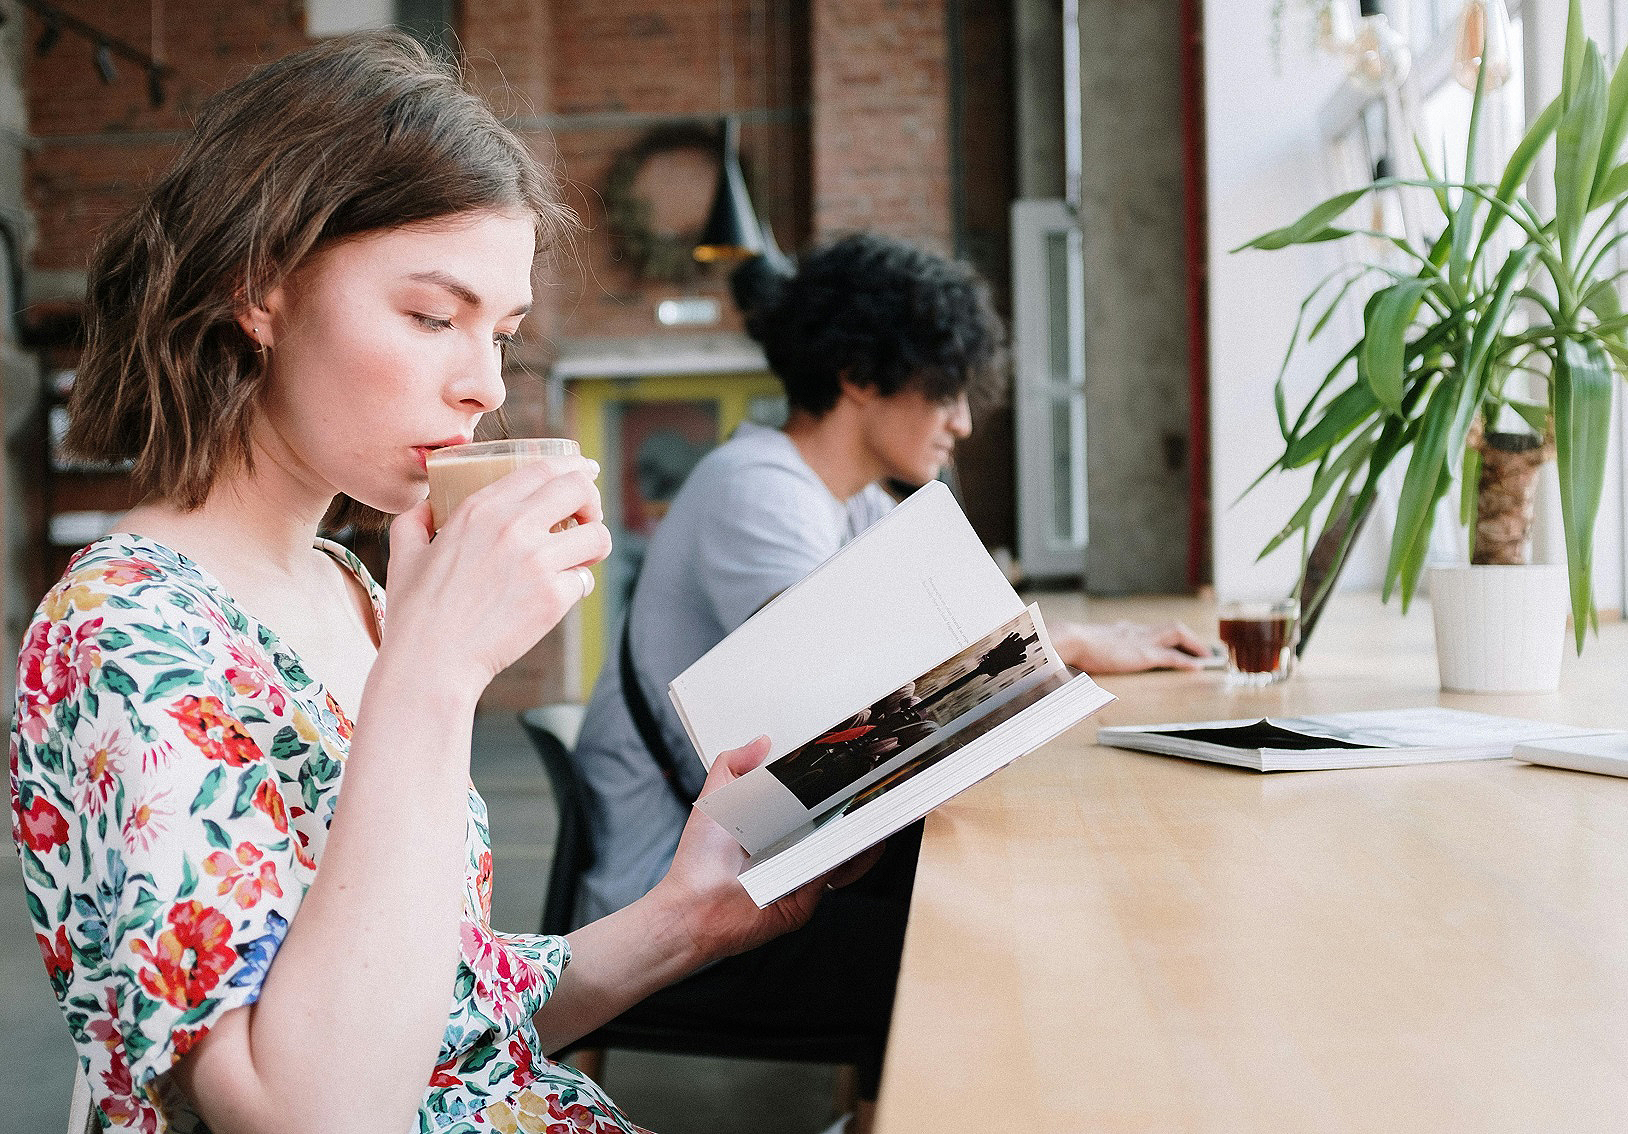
(357, 134)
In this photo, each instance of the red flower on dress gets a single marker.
(483, 885)
(302, 849)
(573, 1119)
(160, 755)
(120, 1105)
(342, 723)
(268, 800)
(127, 571)
(41, 826)
(184, 1040)
(57, 658)
(58, 956)
(520, 1051)
(191, 955)
(145, 823)
(33, 720)
(501, 978)
(102, 1028)
(216, 733)
(442, 1076)
(254, 676)
(246, 871)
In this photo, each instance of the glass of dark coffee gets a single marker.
(1260, 638)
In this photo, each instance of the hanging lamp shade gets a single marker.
(757, 279)
(1482, 45)
(731, 233)
(771, 253)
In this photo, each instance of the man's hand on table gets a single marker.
(1128, 647)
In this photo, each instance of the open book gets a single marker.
(902, 671)
(1372, 738)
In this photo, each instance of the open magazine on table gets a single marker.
(899, 673)
(1369, 738)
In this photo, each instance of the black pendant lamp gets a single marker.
(732, 232)
(772, 255)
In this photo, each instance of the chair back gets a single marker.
(553, 730)
(81, 1116)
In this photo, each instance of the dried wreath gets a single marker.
(653, 255)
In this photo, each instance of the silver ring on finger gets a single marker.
(586, 578)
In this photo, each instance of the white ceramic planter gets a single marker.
(1500, 629)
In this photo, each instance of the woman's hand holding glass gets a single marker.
(498, 576)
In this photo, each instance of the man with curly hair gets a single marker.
(883, 350)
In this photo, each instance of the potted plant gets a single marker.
(1492, 348)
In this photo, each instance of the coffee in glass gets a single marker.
(1260, 638)
(458, 470)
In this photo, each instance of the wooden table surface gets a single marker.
(1105, 941)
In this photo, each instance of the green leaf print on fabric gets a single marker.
(116, 680)
(287, 744)
(209, 789)
(248, 783)
(169, 681)
(157, 881)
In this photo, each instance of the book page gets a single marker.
(993, 741)
(1252, 735)
(1428, 726)
(1363, 738)
(890, 737)
(915, 588)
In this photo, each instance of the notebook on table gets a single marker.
(1368, 738)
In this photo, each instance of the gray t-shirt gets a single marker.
(751, 520)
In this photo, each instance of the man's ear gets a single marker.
(860, 395)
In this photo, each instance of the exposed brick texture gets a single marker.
(97, 146)
(583, 79)
(621, 69)
(881, 116)
(506, 43)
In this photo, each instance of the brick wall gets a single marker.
(622, 70)
(96, 146)
(583, 79)
(506, 45)
(880, 119)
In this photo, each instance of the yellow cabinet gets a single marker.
(647, 431)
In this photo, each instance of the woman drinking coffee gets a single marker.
(256, 865)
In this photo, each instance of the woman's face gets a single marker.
(911, 437)
(385, 346)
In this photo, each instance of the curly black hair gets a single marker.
(880, 313)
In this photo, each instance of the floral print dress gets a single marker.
(174, 772)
